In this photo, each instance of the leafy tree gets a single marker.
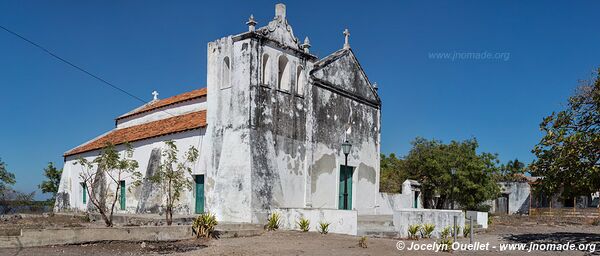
(173, 176)
(50, 185)
(567, 156)
(430, 162)
(6, 193)
(513, 170)
(109, 164)
(393, 173)
(6, 178)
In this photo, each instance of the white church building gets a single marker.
(269, 128)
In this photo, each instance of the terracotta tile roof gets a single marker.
(166, 126)
(166, 102)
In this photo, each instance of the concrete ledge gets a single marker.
(43, 237)
(341, 221)
(440, 218)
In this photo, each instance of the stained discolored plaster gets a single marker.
(62, 200)
(325, 165)
(367, 173)
(150, 194)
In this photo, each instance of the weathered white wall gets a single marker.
(341, 221)
(70, 181)
(518, 197)
(388, 202)
(479, 218)
(440, 218)
(227, 158)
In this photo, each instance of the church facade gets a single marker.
(269, 128)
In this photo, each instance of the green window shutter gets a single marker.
(122, 199)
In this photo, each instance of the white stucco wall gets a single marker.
(479, 218)
(440, 218)
(518, 197)
(341, 221)
(227, 157)
(70, 180)
(162, 113)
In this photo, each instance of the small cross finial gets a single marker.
(155, 95)
(346, 36)
(251, 23)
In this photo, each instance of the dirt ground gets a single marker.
(11, 224)
(506, 230)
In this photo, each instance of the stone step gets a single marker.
(387, 223)
(375, 217)
(381, 233)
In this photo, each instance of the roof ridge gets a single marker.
(152, 105)
(180, 123)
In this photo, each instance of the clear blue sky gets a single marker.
(47, 107)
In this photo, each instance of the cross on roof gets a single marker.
(346, 36)
(155, 95)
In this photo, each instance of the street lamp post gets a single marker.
(346, 146)
(453, 172)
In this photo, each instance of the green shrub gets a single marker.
(467, 230)
(412, 231)
(204, 225)
(273, 222)
(427, 230)
(596, 222)
(446, 239)
(323, 227)
(446, 233)
(457, 229)
(447, 244)
(304, 224)
(362, 242)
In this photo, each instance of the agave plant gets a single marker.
(362, 242)
(204, 225)
(412, 231)
(427, 230)
(445, 233)
(323, 227)
(466, 230)
(273, 222)
(304, 224)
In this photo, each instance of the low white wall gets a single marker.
(342, 221)
(440, 218)
(43, 237)
(479, 218)
(388, 202)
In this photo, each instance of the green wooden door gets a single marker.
(345, 194)
(199, 193)
(122, 199)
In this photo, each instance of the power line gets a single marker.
(76, 67)
(71, 64)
